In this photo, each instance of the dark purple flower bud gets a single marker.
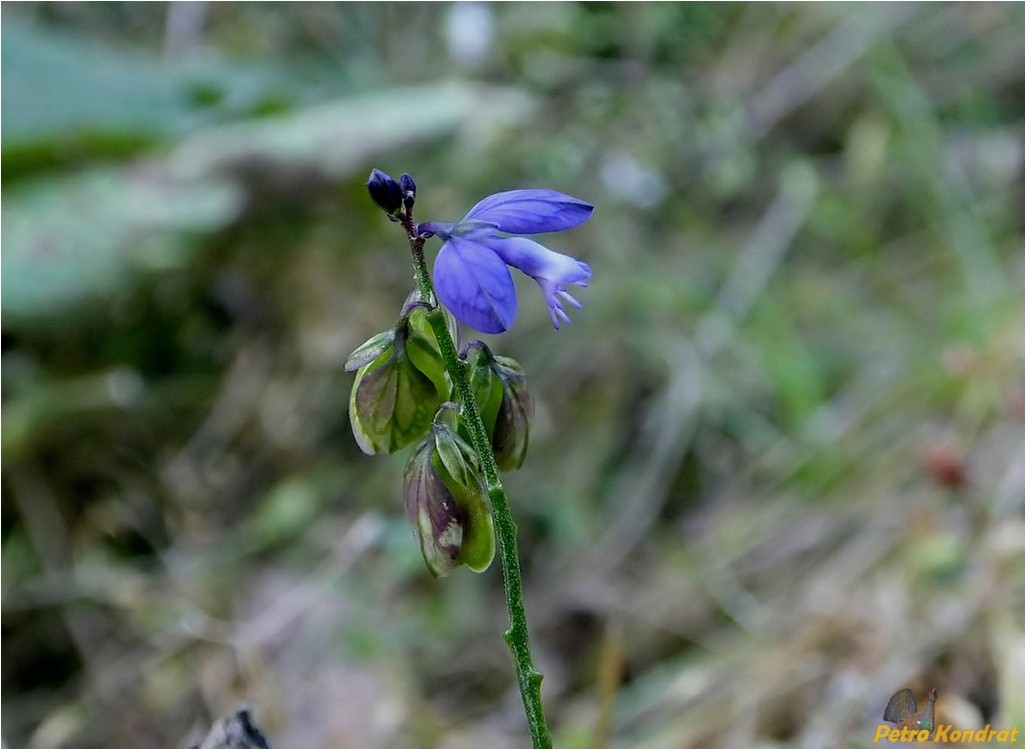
(385, 192)
(409, 188)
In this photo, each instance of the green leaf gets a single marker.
(338, 138)
(110, 99)
(78, 238)
(82, 236)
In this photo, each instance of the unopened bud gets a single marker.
(385, 192)
(409, 190)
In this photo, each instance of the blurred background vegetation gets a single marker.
(777, 467)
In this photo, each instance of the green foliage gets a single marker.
(78, 238)
(66, 97)
(83, 237)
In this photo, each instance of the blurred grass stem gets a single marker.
(528, 677)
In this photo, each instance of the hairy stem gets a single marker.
(528, 677)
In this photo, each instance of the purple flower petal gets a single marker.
(553, 271)
(476, 286)
(538, 261)
(530, 211)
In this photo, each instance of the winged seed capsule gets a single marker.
(399, 385)
(432, 510)
(446, 502)
(505, 403)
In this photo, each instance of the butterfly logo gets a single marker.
(902, 710)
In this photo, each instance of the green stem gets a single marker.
(528, 677)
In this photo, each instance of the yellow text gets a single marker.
(945, 733)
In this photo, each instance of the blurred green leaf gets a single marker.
(81, 236)
(65, 96)
(287, 508)
(335, 138)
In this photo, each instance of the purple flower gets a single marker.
(471, 275)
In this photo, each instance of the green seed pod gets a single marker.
(486, 386)
(460, 470)
(423, 349)
(434, 515)
(447, 505)
(399, 385)
(516, 412)
(414, 300)
(506, 406)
